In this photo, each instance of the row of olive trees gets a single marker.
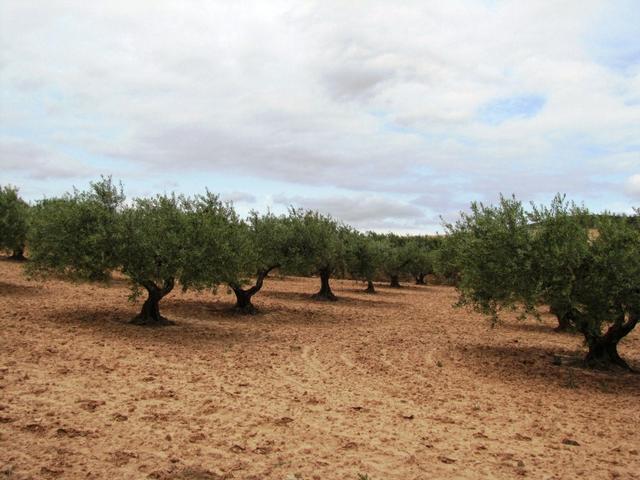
(201, 243)
(585, 267)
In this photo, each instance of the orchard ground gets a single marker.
(397, 385)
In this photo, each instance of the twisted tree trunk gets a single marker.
(325, 292)
(18, 254)
(244, 296)
(603, 349)
(420, 279)
(150, 313)
(395, 281)
(564, 314)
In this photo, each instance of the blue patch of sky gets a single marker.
(500, 110)
(45, 120)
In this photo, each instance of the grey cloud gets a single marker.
(264, 153)
(355, 81)
(39, 163)
(358, 210)
(239, 197)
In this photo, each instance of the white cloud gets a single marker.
(375, 97)
(633, 185)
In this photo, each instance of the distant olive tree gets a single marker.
(397, 256)
(14, 224)
(316, 244)
(445, 259)
(365, 253)
(509, 258)
(261, 248)
(421, 251)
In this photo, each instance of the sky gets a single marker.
(389, 115)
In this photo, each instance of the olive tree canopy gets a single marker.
(13, 222)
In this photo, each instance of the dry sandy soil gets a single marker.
(397, 386)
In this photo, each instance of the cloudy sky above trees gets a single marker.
(386, 114)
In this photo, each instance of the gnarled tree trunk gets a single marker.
(18, 254)
(564, 314)
(420, 279)
(370, 288)
(603, 349)
(150, 313)
(325, 292)
(244, 295)
(395, 281)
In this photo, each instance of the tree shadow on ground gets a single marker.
(532, 326)
(369, 301)
(269, 314)
(17, 290)
(406, 288)
(116, 323)
(381, 291)
(9, 259)
(526, 364)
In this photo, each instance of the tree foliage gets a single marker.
(316, 244)
(77, 235)
(561, 245)
(14, 214)
(510, 258)
(420, 251)
(397, 255)
(155, 242)
(364, 257)
(261, 249)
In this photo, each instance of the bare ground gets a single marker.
(398, 386)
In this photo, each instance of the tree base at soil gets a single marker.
(325, 292)
(328, 296)
(245, 309)
(150, 322)
(18, 256)
(606, 357)
(370, 288)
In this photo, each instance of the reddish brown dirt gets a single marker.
(398, 386)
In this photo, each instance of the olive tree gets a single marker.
(316, 244)
(445, 260)
(77, 235)
(397, 255)
(494, 254)
(560, 237)
(421, 250)
(261, 247)
(13, 222)
(157, 249)
(509, 258)
(156, 242)
(603, 299)
(365, 253)
(223, 249)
